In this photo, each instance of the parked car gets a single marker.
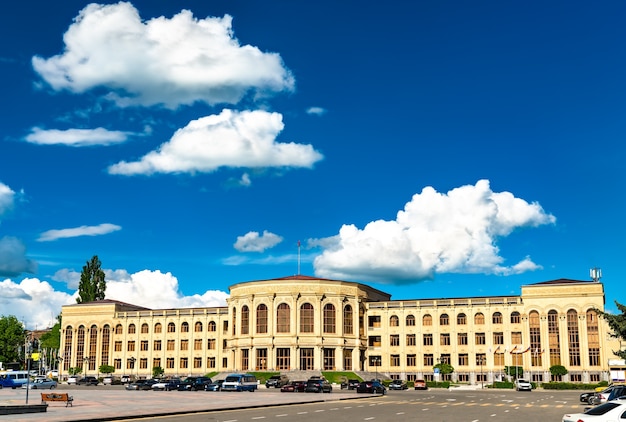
(276, 381)
(373, 386)
(72, 379)
(214, 386)
(166, 385)
(398, 385)
(41, 384)
(353, 383)
(587, 397)
(294, 387)
(194, 383)
(420, 385)
(609, 411)
(87, 381)
(240, 382)
(610, 393)
(318, 385)
(523, 385)
(125, 379)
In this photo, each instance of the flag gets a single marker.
(513, 350)
(526, 350)
(496, 351)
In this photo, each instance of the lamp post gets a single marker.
(132, 365)
(376, 362)
(482, 361)
(86, 364)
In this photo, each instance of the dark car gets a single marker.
(398, 385)
(194, 383)
(87, 381)
(587, 397)
(350, 384)
(318, 385)
(294, 387)
(214, 386)
(276, 381)
(374, 387)
(140, 385)
(611, 393)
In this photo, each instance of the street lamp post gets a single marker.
(376, 362)
(482, 361)
(86, 364)
(132, 365)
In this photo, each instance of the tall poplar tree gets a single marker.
(92, 283)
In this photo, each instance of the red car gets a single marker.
(420, 385)
(294, 387)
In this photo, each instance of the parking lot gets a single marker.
(114, 402)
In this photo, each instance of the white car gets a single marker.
(72, 380)
(523, 385)
(610, 411)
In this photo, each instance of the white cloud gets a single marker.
(230, 139)
(319, 111)
(13, 260)
(174, 61)
(253, 242)
(7, 198)
(37, 303)
(76, 137)
(98, 230)
(435, 233)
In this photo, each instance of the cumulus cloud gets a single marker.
(151, 289)
(231, 139)
(13, 260)
(7, 198)
(454, 232)
(168, 61)
(98, 230)
(76, 137)
(254, 242)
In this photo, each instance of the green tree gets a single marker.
(92, 283)
(617, 323)
(106, 369)
(558, 370)
(157, 372)
(75, 370)
(514, 371)
(52, 339)
(12, 336)
(444, 368)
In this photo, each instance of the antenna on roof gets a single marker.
(596, 274)
(298, 257)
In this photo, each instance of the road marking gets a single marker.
(282, 415)
(258, 417)
(400, 413)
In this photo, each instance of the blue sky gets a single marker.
(429, 149)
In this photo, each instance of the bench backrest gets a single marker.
(54, 396)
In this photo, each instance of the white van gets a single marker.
(240, 382)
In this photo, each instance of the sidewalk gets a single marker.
(108, 403)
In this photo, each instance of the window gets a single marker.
(157, 328)
(463, 359)
(498, 338)
(171, 327)
(411, 340)
(515, 318)
(261, 319)
(210, 362)
(197, 327)
(211, 344)
(283, 358)
(197, 344)
(118, 346)
(461, 319)
(130, 363)
(516, 337)
(197, 362)
(184, 344)
(306, 318)
(394, 321)
(479, 318)
(282, 318)
(462, 339)
(427, 320)
(117, 363)
(329, 318)
(410, 321)
(184, 327)
(131, 329)
(143, 363)
(156, 362)
(496, 318)
(329, 359)
(429, 360)
(444, 319)
(119, 329)
(348, 323)
(211, 327)
(498, 359)
(481, 359)
(444, 339)
(411, 360)
(169, 363)
(428, 339)
(171, 345)
(394, 340)
(573, 337)
(394, 360)
(593, 340)
(245, 320)
(143, 346)
(131, 346)
(535, 336)
(480, 339)
(144, 328)
(184, 363)
(157, 345)
(106, 338)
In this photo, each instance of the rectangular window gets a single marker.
(171, 345)
(210, 363)
(516, 337)
(184, 345)
(428, 339)
(462, 339)
(498, 338)
(118, 346)
(131, 346)
(411, 360)
(143, 363)
(184, 363)
(245, 359)
(444, 339)
(428, 360)
(498, 359)
(117, 363)
(395, 360)
(157, 344)
(169, 363)
(480, 339)
(411, 340)
(463, 359)
(197, 344)
(394, 340)
(283, 359)
(197, 362)
(594, 357)
(211, 344)
(144, 345)
(156, 362)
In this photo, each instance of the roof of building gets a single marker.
(562, 281)
(108, 302)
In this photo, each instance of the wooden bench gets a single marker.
(57, 397)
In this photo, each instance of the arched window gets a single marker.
(329, 318)
(283, 316)
(515, 317)
(197, 327)
(245, 319)
(479, 318)
(394, 321)
(461, 319)
(184, 327)
(93, 346)
(307, 318)
(593, 338)
(131, 329)
(261, 319)
(80, 346)
(535, 336)
(171, 327)
(211, 326)
(410, 321)
(554, 341)
(106, 339)
(427, 320)
(496, 318)
(144, 328)
(444, 319)
(67, 353)
(158, 328)
(573, 337)
(348, 322)
(119, 329)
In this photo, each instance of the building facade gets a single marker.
(303, 323)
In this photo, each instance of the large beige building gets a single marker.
(306, 323)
